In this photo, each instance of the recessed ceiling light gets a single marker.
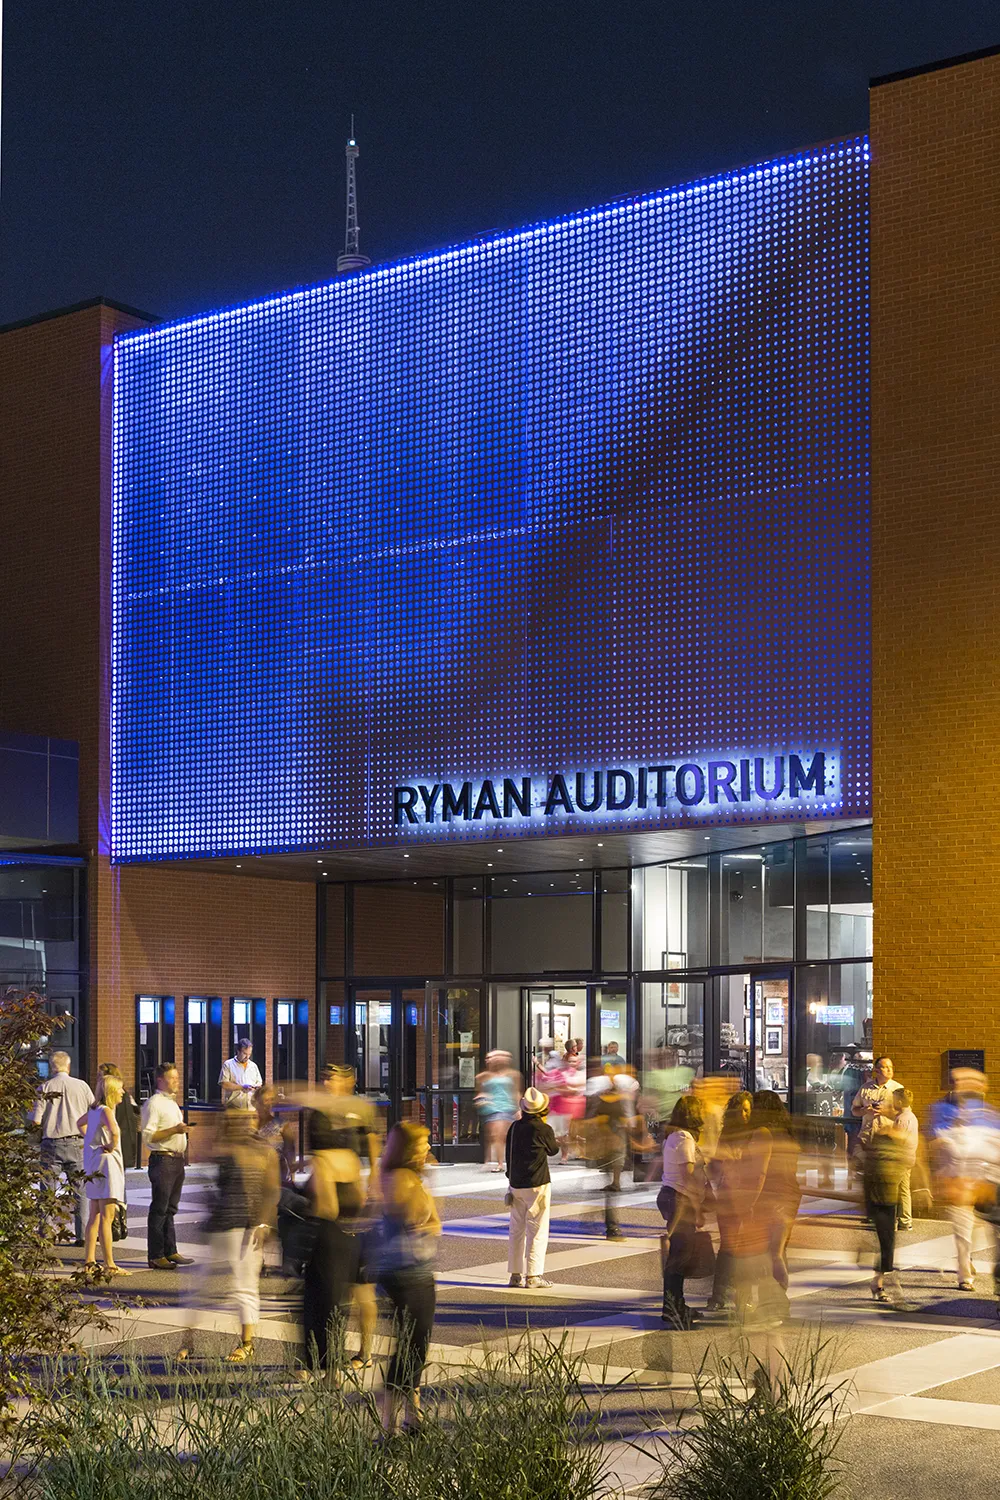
(499, 851)
(239, 867)
(406, 856)
(600, 846)
(319, 861)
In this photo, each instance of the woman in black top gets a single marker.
(530, 1143)
(127, 1115)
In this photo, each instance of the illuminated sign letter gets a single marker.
(558, 794)
(581, 787)
(697, 792)
(759, 784)
(486, 801)
(721, 775)
(460, 806)
(616, 803)
(813, 780)
(403, 801)
(513, 798)
(429, 795)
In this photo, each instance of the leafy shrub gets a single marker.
(764, 1429)
(40, 1314)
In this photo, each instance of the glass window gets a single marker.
(833, 1036)
(673, 1029)
(542, 923)
(851, 894)
(813, 893)
(614, 920)
(467, 926)
(399, 927)
(674, 920)
(741, 904)
(332, 1047)
(778, 874)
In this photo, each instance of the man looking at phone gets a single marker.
(164, 1135)
(240, 1077)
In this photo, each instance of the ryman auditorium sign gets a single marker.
(756, 781)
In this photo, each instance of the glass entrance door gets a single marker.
(456, 1056)
(554, 1015)
(417, 1053)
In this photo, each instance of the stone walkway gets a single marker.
(922, 1381)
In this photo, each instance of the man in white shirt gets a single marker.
(164, 1135)
(240, 1077)
(61, 1102)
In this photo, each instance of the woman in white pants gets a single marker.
(244, 1213)
(530, 1143)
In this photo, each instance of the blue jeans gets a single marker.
(66, 1152)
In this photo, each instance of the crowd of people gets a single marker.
(357, 1214)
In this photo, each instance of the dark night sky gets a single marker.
(180, 156)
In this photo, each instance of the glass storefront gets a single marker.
(754, 962)
(41, 943)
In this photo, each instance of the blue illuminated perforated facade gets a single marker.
(589, 495)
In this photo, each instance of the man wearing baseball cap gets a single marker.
(530, 1143)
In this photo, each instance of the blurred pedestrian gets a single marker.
(887, 1153)
(293, 1206)
(243, 1214)
(406, 1248)
(567, 1101)
(164, 1135)
(609, 1115)
(530, 1143)
(353, 1118)
(665, 1081)
(721, 1171)
(755, 1290)
(498, 1088)
(780, 1195)
(680, 1202)
(62, 1101)
(334, 1271)
(128, 1114)
(105, 1171)
(964, 1150)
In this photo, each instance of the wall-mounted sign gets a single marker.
(834, 1015)
(758, 781)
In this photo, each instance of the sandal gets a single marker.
(116, 1271)
(241, 1355)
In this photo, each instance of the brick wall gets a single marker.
(151, 929)
(936, 564)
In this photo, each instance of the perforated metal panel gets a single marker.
(593, 495)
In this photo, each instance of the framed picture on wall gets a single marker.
(772, 1041)
(673, 990)
(776, 1013)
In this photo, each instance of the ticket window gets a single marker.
(154, 1040)
(291, 1041)
(202, 1050)
(248, 1018)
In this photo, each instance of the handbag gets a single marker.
(391, 1247)
(119, 1224)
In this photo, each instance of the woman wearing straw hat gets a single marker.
(530, 1142)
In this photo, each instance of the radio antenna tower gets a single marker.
(352, 259)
